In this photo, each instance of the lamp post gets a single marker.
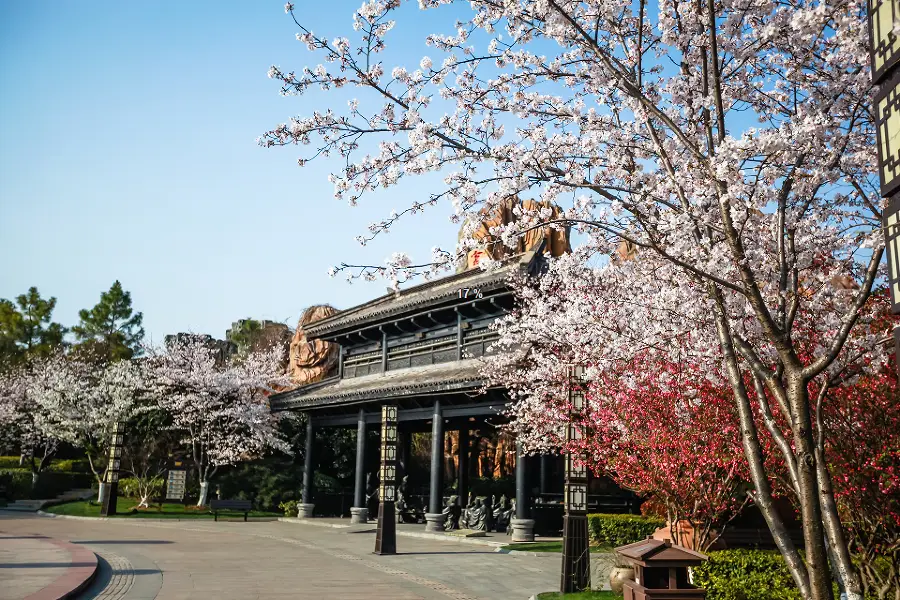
(884, 15)
(386, 535)
(108, 507)
(576, 559)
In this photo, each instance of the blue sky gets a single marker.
(127, 151)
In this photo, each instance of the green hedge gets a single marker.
(73, 465)
(15, 484)
(746, 575)
(618, 530)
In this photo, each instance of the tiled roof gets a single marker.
(417, 297)
(442, 377)
(655, 551)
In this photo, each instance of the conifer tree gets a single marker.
(111, 330)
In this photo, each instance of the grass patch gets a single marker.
(548, 547)
(126, 508)
(602, 595)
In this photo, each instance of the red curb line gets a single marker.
(74, 579)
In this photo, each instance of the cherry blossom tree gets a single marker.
(730, 143)
(219, 408)
(64, 398)
(673, 437)
(82, 401)
(23, 425)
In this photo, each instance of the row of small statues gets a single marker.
(480, 514)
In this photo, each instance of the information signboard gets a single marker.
(176, 484)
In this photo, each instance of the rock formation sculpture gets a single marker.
(312, 361)
(491, 246)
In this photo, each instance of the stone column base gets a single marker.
(523, 530)
(305, 511)
(434, 522)
(359, 515)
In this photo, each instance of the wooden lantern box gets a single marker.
(660, 570)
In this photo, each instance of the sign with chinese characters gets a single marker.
(176, 484)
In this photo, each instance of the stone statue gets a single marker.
(408, 510)
(372, 493)
(503, 514)
(512, 515)
(312, 361)
(452, 513)
(488, 504)
(466, 510)
(473, 517)
(508, 211)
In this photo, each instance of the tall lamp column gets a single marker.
(116, 444)
(386, 535)
(576, 559)
(884, 48)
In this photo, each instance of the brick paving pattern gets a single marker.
(272, 560)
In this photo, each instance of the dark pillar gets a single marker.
(359, 513)
(405, 450)
(546, 467)
(108, 507)
(521, 484)
(306, 507)
(434, 517)
(462, 475)
(523, 527)
(386, 534)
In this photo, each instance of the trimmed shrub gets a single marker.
(289, 507)
(618, 530)
(743, 574)
(15, 484)
(9, 462)
(69, 465)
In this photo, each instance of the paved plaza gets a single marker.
(175, 560)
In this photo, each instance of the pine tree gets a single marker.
(26, 328)
(110, 330)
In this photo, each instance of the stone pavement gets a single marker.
(35, 567)
(272, 560)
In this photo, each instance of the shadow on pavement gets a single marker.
(122, 542)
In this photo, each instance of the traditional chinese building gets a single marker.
(420, 349)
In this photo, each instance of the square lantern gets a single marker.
(113, 476)
(116, 463)
(389, 453)
(576, 497)
(892, 248)
(389, 414)
(885, 45)
(574, 468)
(115, 452)
(887, 128)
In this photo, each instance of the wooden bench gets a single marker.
(243, 506)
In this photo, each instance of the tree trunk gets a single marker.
(810, 508)
(102, 492)
(204, 493)
(34, 479)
